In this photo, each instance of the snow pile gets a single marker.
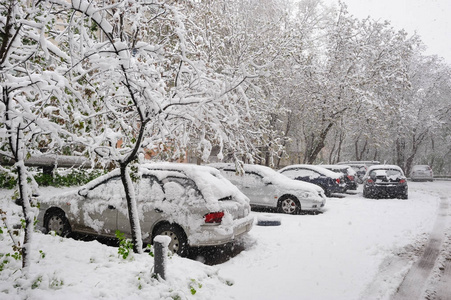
(68, 269)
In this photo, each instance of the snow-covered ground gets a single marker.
(339, 254)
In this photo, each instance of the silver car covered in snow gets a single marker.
(194, 205)
(422, 172)
(266, 187)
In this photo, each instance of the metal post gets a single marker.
(160, 245)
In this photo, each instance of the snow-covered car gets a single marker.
(385, 181)
(367, 163)
(360, 167)
(330, 181)
(350, 175)
(422, 172)
(194, 205)
(268, 188)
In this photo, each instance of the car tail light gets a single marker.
(338, 180)
(402, 181)
(215, 217)
(350, 177)
(370, 181)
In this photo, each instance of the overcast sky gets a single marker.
(429, 18)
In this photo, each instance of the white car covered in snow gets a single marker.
(268, 188)
(194, 205)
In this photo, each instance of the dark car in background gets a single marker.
(359, 166)
(330, 181)
(350, 175)
(385, 181)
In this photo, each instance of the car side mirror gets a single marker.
(266, 181)
(83, 192)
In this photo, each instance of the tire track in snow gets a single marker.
(415, 281)
(443, 287)
(444, 291)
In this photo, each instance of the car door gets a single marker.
(303, 174)
(99, 209)
(310, 176)
(253, 186)
(148, 193)
(298, 174)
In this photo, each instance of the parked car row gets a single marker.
(210, 205)
(194, 205)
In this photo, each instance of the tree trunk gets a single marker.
(18, 149)
(135, 227)
(340, 146)
(284, 142)
(400, 152)
(331, 154)
(431, 163)
(17, 146)
(416, 142)
(27, 214)
(314, 151)
(363, 150)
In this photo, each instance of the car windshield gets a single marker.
(390, 174)
(421, 168)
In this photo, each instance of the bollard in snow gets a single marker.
(160, 244)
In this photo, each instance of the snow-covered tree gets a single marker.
(33, 95)
(354, 71)
(246, 39)
(148, 86)
(422, 117)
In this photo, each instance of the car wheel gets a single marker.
(56, 221)
(366, 194)
(326, 191)
(404, 196)
(178, 243)
(328, 194)
(289, 205)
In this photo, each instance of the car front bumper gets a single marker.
(314, 205)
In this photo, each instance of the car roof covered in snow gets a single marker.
(210, 182)
(271, 175)
(384, 167)
(316, 168)
(349, 169)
